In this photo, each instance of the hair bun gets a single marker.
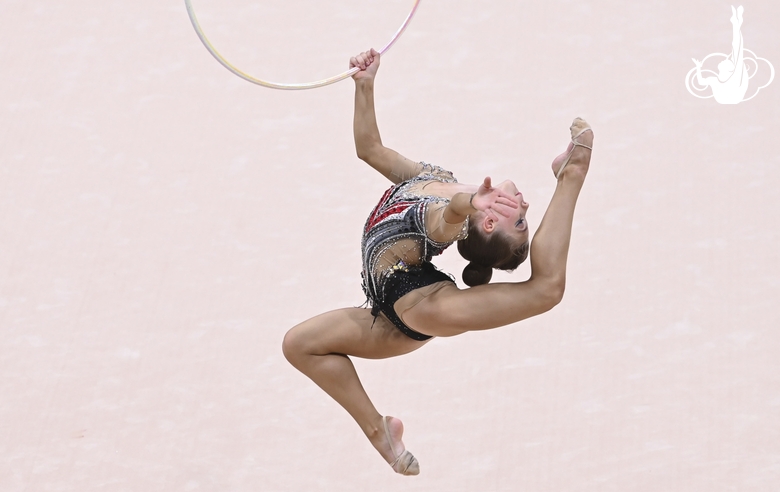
(475, 274)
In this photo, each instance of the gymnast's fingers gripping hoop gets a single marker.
(276, 85)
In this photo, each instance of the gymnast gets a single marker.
(731, 84)
(424, 212)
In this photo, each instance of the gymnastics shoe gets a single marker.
(405, 463)
(578, 127)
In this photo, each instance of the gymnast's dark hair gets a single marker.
(488, 251)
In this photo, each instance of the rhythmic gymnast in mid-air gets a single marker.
(424, 212)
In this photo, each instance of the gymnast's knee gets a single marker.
(551, 291)
(294, 346)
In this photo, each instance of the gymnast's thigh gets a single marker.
(451, 311)
(350, 331)
(416, 296)
(423, 310)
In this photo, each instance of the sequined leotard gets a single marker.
(396, 248)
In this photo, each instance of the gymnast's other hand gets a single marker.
(492, 200)
(367, 62)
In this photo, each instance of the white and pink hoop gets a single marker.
(277, 85)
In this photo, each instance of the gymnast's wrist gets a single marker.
(462, 205)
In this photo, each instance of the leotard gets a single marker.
(396, 247)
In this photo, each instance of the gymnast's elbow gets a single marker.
(368, 152)
(362, 154)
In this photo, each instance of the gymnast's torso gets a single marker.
(406, 229)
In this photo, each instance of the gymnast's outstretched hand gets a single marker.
(492, 200)
(367, 62)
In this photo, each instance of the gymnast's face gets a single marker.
(514, 226)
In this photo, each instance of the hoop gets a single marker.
(277, 85)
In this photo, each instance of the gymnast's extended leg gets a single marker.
(319, 347)
(451, 311)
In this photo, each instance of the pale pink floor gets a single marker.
(163, 223)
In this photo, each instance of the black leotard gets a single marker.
(399, 219)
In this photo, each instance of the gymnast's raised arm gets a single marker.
(368, 143)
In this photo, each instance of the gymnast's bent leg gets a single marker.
(451, 311)
(319, 348)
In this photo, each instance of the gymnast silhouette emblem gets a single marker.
(731, 83)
